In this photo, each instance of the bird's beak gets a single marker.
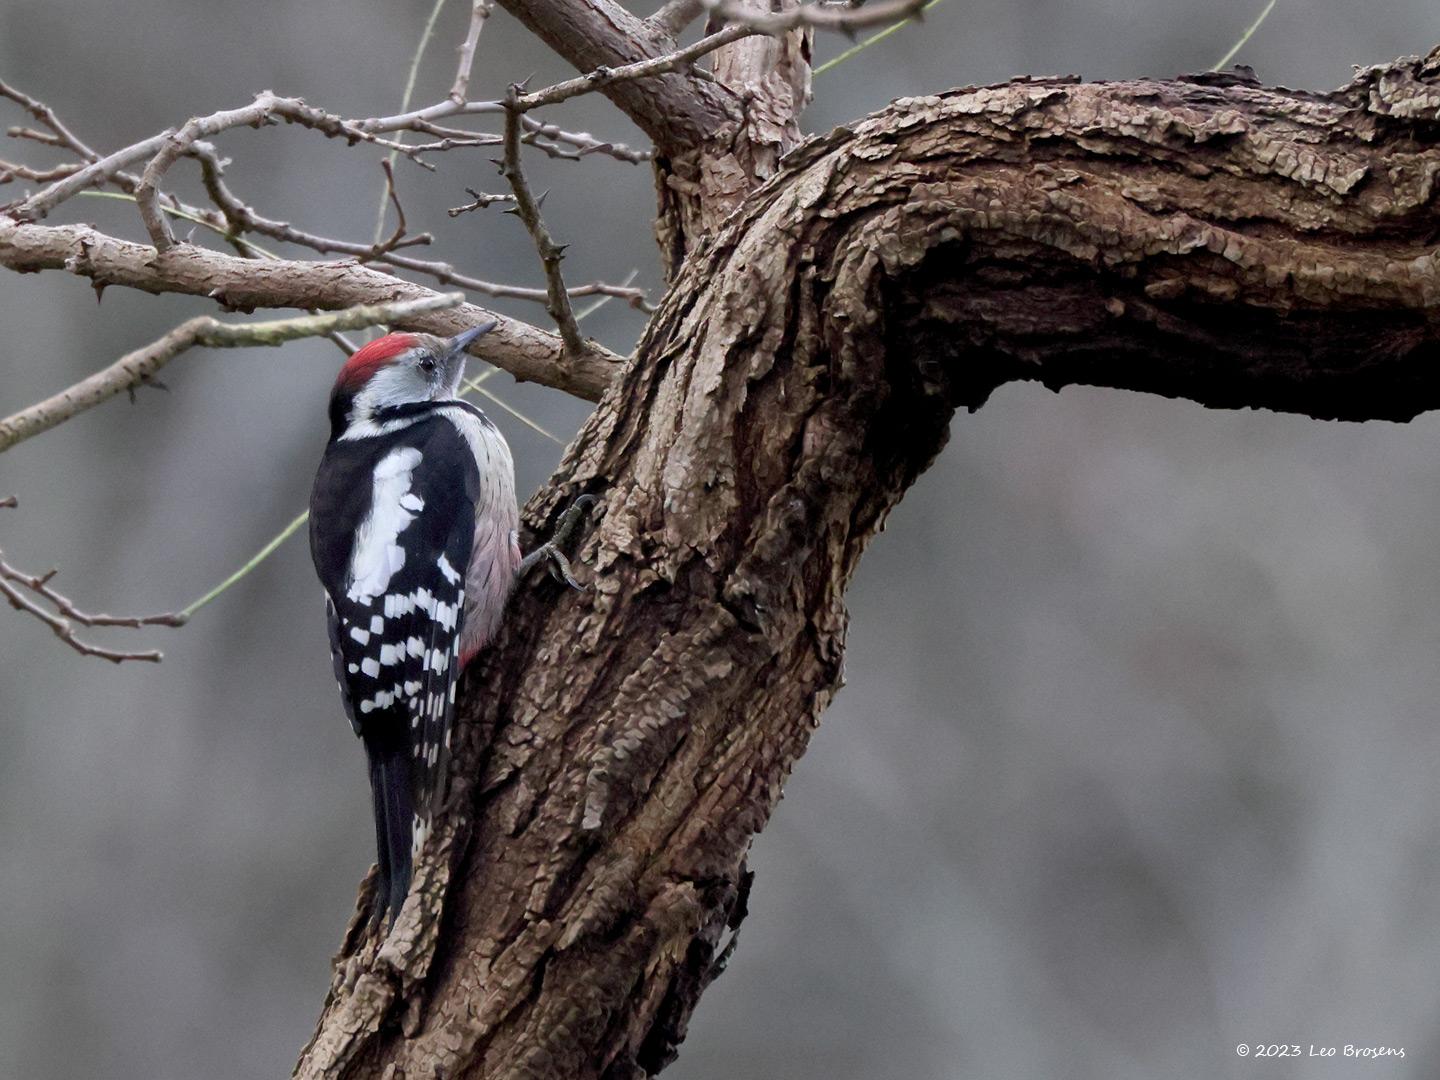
(461, 341)
(455, 355)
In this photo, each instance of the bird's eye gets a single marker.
(427, 364)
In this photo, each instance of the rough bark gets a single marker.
(1205, 238)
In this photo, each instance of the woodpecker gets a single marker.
(413, 526)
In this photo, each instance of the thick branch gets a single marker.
(676, 110)
(1210, 238)
(526, 352)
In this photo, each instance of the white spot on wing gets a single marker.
(362, 636)
(376, 556)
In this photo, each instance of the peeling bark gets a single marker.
(1204, 238)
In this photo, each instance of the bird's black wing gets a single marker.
(392, 523)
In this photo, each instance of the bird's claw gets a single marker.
(551, 551)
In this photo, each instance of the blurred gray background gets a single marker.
(1137, 760)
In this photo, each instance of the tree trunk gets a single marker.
(1204, 238)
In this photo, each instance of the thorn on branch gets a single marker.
(527, 208)
(481, 200)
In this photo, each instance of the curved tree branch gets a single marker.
(1205, 238)
(240, 284)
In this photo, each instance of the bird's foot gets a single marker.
(551, 552)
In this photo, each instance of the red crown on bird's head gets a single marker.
(367, 359)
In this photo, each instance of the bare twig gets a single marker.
(163, 150)
(603, 77)
(21, 590)
(239, 217)
(44, 137)
(528, 210)
(138, 367)
(481, 201)
(47, 116)
(587, 143)
(99, 171)
(460, 89)
(10, 170)
(64, 629)
(397, 239)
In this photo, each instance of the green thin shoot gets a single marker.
(1244, 37)
(872, 39)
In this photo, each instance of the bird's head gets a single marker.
(399, 370)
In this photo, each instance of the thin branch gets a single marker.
(138, 367)
(260, 556)
(21, 590)
(46, 138)
(163, 150)
(410, 76)
(678, 111)
(873, 39)
(263, 109)
(99, 171)
(481, 200)
(587, 143)
(603, 77)
(397, 239)
(1249, 33)
(460, 89)
(528, 210)
(64, 630)
(47, 116)
(39, 584)
(10, 170)
(239, 217)
(525, 351)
